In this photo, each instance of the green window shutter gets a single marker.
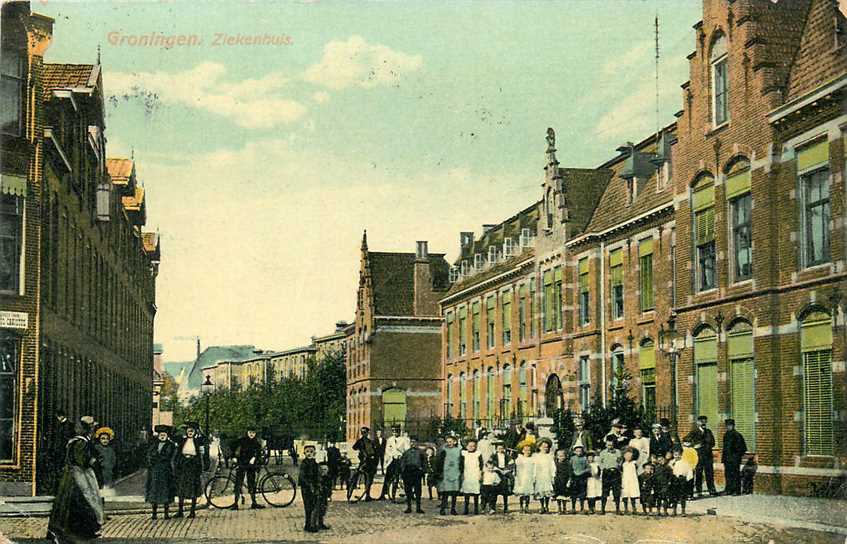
(646, 262)
(647, 356)
(548, 277)
(737, 185)
(743, 398)
(463, 312)
(616, 275)
(813, 155)
(816, 332)
(740, 343)
(557, 274)
(523, 291)
(817, 402)
(706, 347)
(707, 391)
(645, 247)
(450, 318)
(615, 258)
(704, 194)
(704, 225)
(489, 304)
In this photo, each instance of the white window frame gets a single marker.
(722, 59)
(804, 234)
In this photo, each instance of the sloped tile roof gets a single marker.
(59, 76)
(511, 227)
(495, 270)
(214, 354)
(150, 240)
(817, 61)
(134, 202)
(393, 278)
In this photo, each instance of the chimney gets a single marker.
(421, 251)
(198, 348)
(424, 301)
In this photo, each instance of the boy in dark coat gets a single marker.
(734, 448)
(313, 493)
(159, 488)
(191, 460)
(662, 476)
(646, 483)
(248, 452)
(333, 462)
(412, 468)
(369, 458)
(344, 465)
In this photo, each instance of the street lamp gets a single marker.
(207, 387)
(667, 343)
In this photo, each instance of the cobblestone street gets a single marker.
(373, 523)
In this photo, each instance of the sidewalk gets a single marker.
(828, 515)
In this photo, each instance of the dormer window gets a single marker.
(478, 261)
(508, 247)
(492, 254)
(720, 82)
(465, 267)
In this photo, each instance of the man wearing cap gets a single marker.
(734, 448)
(581, 437)
(702, 440)
(394, 448)
(191, 460)
(617, 435)
(310, 483)
(159, 488)
(368, 458)
(248, 452)
(660, 442)
(412, 469)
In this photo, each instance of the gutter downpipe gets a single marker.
(602, 306)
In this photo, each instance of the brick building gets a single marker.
(504, 351)
(393, 371)
(78, 302)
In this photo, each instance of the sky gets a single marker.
(264, 163)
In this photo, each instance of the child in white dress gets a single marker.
(524, 477)
(629, 481)
(594, 489)
(471, 474)
(490, 485)
(545, 473)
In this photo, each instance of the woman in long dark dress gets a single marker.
(191, 459)
(160, 488)
(77, 510)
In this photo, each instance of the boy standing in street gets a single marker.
(412, 470)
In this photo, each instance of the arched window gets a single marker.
(506, 401)
(523, 391)
(706, 365)
(742, 374)
(476, 394)
(617, 367)
(816, 348)
(463, 400)
(720, 81)
(703, 209)
(647, 369)
(491, 396)
(553, 394)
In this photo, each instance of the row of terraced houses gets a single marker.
(77, 270)
(707, 260)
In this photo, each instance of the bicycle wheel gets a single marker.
(356, 488)
(397, 491)
(220, 492)
(278, 489)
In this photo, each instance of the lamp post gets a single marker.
(207, 387)
(667, 343)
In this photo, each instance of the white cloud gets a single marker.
(250, 103)
(357, 63)
(320, 97)
(275, 257)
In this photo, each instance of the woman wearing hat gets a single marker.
(159, 488)
(77, 509)
(191, 459)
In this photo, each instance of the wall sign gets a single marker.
(14, 320)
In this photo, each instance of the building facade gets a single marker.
(393, 370)
(79, 299)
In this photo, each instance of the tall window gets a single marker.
(531, 308)
(557, 298)
(449, 395)
(463, 330)
(475, 326)
(523, 390)
(449, 320)
(617, 368)
(9, 355)
(11, 234)
(477, 384)
(12, 69)
(506, 316)
(490, 395)
(489, 322)
(645, 265)
(647, 369)
(584, 292)
(547, 302)
(742, 381)
(703, 204)
(584, 383)
(506, 401)
(706, 365)
(463, 397)
(522, 302)
(812, 166)
(616, 282)
(816, 347)
(720, 82)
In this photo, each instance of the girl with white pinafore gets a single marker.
(471, 475)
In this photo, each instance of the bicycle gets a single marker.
(277, 488)
(356, 488)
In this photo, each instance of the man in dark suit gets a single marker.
(734, 448)
(249, 455)
(310, 484)
(369, 457)
(702, 440)
(660, 442)
(333, 463)
(581, 437)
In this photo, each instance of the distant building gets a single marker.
(160, 417)
(393, 371)
(208, 358)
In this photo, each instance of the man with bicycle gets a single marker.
(395, 446)
(249, 456)
(368, 459)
